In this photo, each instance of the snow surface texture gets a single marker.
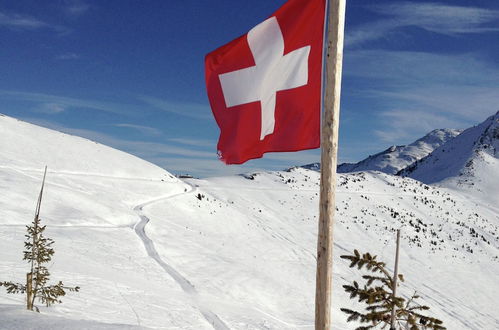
(396, 158)
(151, 251)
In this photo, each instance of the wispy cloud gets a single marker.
(413, 68)
(194, 142)
(441, 18)
(406, 124)
(173, 158)
(64, 103)
(178, 159)
(466, 104)
(75, 7)
(369, 32)
(352, 151)
(192, 110)
(144, 149)
(23, 22)
(148, 149)
(68, 56)
(51, 108)
(142, 129)
(434, 17)
(295, 158)
(415, 92)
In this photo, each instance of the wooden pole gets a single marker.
(395, 278)
(329, 149)
(29, 291)
(36, 220)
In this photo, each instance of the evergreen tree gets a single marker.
(38, 251)
(377, 294)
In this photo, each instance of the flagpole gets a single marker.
(395, 278)
(329, 149)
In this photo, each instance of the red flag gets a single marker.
(265, 87)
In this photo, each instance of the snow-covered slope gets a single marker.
(31, 147)
(272, 220)
(15, 318)
(396, 158)
(88, 206)
(470, 161)
(238, 252)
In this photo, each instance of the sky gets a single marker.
(130, 74)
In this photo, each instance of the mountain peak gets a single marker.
(457, 156)
(396, 158)
(438, 136)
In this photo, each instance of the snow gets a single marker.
(396, 158)
(453, 158)
(14, 317)
(66, 154)
(468, 162)
(151, 251)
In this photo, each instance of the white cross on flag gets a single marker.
(265, 87)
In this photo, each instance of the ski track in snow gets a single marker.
(139, 229)
(184, 283)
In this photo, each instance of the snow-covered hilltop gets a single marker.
(457, 157)
(27, 146)
(396, 158)
(152, 251)
(470, 161)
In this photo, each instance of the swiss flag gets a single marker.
(265, 87)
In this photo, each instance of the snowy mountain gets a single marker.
(470, 161)
(152, 251)
(396, 158)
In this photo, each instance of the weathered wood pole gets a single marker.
(329, 149)
(36, 220)
(395, 278)
(29, 291)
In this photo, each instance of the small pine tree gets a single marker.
(38, 251)
(377, 293)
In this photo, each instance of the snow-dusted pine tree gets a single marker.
(377, 294)
(38, 251)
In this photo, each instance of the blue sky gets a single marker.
(130, 74)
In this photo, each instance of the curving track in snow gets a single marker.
(184, 283)
(139, 229)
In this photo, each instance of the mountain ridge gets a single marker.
(470, 162)
(395, 158)
(456, 157)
